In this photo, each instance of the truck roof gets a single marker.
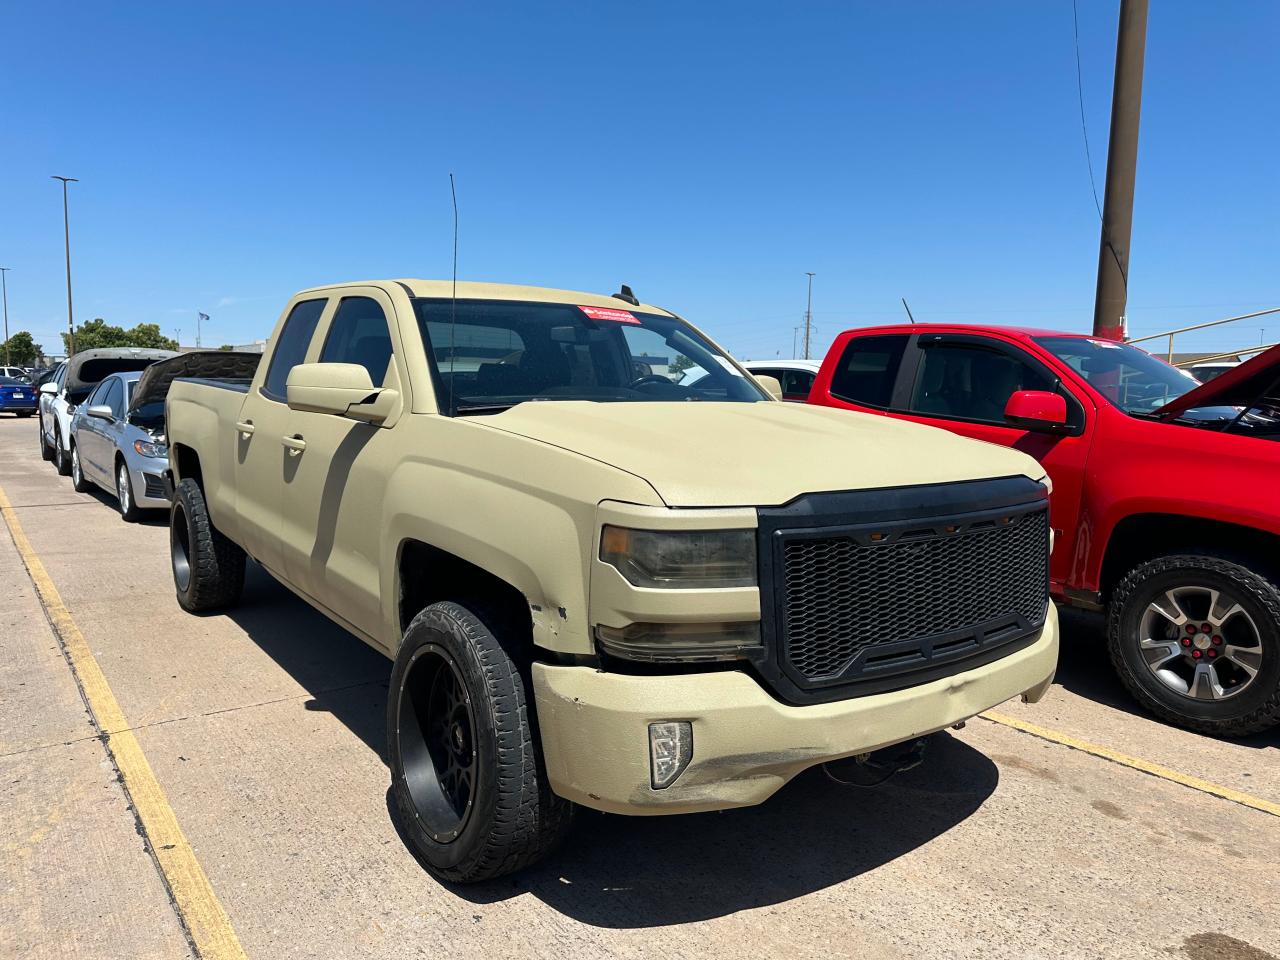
(473, 290)
(1027, 332)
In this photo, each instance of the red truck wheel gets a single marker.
(1196, 639)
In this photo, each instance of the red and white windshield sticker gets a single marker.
(608, 313)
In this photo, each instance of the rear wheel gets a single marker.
(208, 569)
(78, 481)
(24, 413)
(61, 457)
(129, 511)
(467, 777)
(1196, 639)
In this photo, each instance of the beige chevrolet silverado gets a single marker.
(600, 586)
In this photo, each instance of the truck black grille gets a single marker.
(844, 598)
(926, 578)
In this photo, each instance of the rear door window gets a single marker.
(868, 369)
(359, 334)
(291, 345)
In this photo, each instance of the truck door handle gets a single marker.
(245, 427)
(295, 444)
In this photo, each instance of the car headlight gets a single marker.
(681, 559)
(148, 449)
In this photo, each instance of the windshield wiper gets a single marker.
(464, 408)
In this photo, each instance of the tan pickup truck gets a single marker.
(600, 585)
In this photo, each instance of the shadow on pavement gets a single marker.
(1084, 668)
(343, 674)
(625, 872)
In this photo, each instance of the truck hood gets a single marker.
(1235, 388)
(757, 454)
(156, 379)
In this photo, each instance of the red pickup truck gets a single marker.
(1166, 492)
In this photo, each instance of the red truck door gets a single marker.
(961, 382)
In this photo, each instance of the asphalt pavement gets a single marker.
(1099, 833)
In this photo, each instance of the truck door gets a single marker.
(333, 486)
(263, 456)
(961, 382)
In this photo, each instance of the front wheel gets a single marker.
(61, 456)
(129, 511)
(208, 569)
(470, 790)
(1196, 639)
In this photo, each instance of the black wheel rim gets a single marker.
(438, 749)
(180, 548)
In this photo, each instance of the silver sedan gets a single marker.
(120, 446)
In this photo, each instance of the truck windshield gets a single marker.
(1132, 379)
(492, 354)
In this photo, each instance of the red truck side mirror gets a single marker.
(1037, 410)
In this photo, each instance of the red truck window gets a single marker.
(971, 383)
(868, 368)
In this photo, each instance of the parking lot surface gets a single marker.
(264, 731)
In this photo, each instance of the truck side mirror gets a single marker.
(1037, 410)
(770, 385)
(338, 389)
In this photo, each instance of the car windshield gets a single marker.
(492, 354)
(1132, 379)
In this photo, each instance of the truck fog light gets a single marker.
(670, 750)
(681, 642)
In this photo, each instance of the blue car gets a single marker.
(17, 397)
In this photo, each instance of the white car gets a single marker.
(67, 389)
(16, 373)
(1204, 372)
(796, 376)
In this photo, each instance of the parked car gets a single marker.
(1204, 372)
(118, 434)
(795, 376)
(587, 598)
(73, 381)
(21, 374)
(17, 396)
(1164, 498)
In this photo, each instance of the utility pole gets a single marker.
(4, 288)
(808, 316)
(66, 239)
(1122, 166)
(795, 332)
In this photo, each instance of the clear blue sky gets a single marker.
(707, 154)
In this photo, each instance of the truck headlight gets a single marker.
(681, 642)
(681, 559)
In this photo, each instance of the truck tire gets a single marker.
(1196, 640)
(79, 483)
(208, 569)
(46, 451)
(61, 460)
(470, 790)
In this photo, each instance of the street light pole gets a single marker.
(66, 239)
(808, 315)
(4, 288)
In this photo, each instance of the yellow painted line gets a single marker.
(198, 907)
(1136, 763)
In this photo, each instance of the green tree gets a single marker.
(21, 350)
(226, 346)
(680, 364)
(98, 333)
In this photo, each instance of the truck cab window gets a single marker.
(971, 383)
(359, 335)
(291, 345)
(868, 369)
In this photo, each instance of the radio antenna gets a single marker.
(453, 304)
(908, 309)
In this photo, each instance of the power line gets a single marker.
(1084, 127)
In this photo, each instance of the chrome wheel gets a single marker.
(77, 477)
(122, 489)
(1200, 642)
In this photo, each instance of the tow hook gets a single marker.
(875, 768)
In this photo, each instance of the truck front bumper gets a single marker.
(746, 744)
